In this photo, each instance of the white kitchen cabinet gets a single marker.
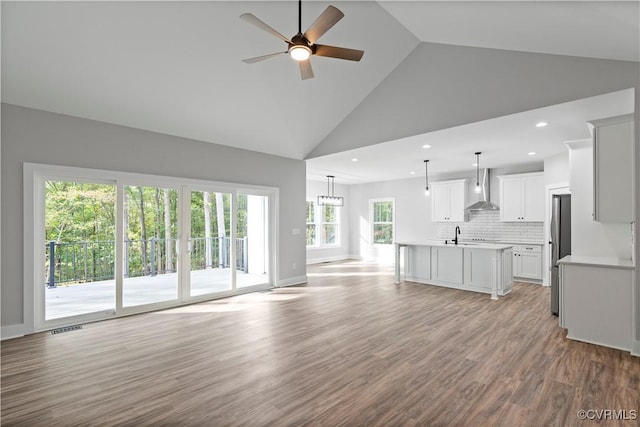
(446, 264)
(522, 197)
(613, 170)
(527, 261)
(418, 263)
(449, 198)
(596, 300)
(482, 267)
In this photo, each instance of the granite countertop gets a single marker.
(597, 261)
(468, 245)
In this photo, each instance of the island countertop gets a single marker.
(462, 244)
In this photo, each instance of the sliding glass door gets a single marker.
(149, 248)
(109, 247)
(210, 243)
(79, 248)
(252, 248)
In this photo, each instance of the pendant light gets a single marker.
(478, 188)
(330, 199)
(426, 176)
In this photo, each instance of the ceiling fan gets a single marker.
(303, 45)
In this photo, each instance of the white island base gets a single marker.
(477, 267)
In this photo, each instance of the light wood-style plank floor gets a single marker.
(350, 348)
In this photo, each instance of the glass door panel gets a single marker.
(210, 243)
(150, 241)
(252, 240)
(79, 246)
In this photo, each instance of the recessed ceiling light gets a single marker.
(541, 124)
(474, 164)
(354, 160)
(531, 153)
(412, 173)
(426, 146)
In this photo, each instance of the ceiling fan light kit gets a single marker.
(303, 45)
(299, 52)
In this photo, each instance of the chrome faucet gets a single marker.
(457, 231)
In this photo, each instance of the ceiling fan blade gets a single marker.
(305, 69)
(326, 20)
(252, 19)
(339, 52)
(261, 58)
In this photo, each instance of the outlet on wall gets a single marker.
(293, 266)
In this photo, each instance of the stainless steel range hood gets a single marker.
(484, 204)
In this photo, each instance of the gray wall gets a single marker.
(41, 137)
(440, 86)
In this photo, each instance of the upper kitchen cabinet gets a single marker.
(613, 158)
(522, 197)
(448, 200)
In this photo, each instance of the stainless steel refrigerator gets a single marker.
(560, 244)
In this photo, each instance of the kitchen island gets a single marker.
(470, 266)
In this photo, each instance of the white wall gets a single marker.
(556, 169)
(41, 137)
(333, 253)
(412, 216)
(588, 237)
(413, 208)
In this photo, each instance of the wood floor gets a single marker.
(348, 349)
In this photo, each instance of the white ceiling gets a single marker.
(175, 67)
(504, 141)
(598, 29)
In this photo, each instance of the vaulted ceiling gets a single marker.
(175, 67)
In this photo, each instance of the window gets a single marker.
(311, 224)
(382, 216)
(323, 225)
(330, 225)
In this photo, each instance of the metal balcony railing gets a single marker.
(81, 262)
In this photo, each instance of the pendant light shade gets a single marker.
(426, 177)
(478, 188)
(330, 199)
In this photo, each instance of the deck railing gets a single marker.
(80, 262)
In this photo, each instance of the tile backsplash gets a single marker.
(486, 225)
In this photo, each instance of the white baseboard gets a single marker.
(328, 259)
(292, 281)
(588, 341)
(12, 331)
(635, 350)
